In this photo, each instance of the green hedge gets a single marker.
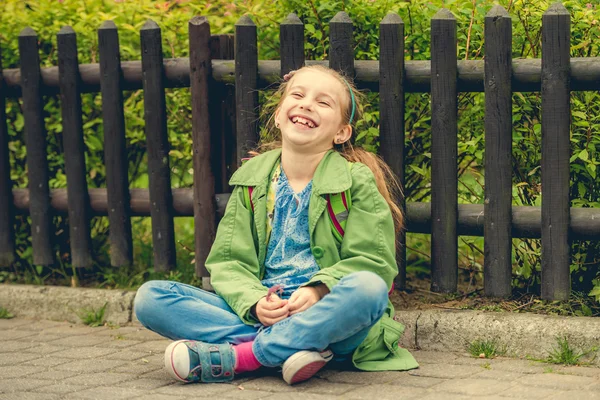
(48, 16)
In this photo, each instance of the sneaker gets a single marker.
(184, 359)
(304, 365)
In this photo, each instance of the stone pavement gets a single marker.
(57, 360)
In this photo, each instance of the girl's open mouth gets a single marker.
(303, 121)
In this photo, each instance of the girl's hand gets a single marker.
(305, 297)
(271, 311)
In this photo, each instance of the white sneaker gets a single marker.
(304, 364)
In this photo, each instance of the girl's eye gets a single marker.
(324, 103)
(297, 95)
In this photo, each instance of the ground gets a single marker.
(58, 360)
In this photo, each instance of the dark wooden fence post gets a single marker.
(204, 187)
(341, 52)
(222, 121)
(7, 234)
(556, 117)
(74, 149)
(115, 151)
(444, 181)
(497, 268)
(291, 44)
(391, 111)
(246, 86)
(161, 197)
(35, 139)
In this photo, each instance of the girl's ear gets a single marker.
(276, 117)
(343, 135)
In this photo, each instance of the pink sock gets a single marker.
(244, 358)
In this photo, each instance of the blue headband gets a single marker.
(353, 101)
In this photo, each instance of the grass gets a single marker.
(485, 349)
(4, 314)
(91, 317)
(565, 354)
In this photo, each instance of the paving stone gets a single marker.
(417, 381)
(12, 323)
(433, 357)
(558, 381)
(10, 346)
(73, 330)
(160, 374)
(444, 371)
(16, 358)
(39, 325)
(121, 330)
(97, 379)
(153, 346)
(453, 396)
(107, 393)
(521, 366)
(592, 372)
(43, 349)
(126, 355)
(143, 334)
(90, 366)
(60, 388)
(473, 387)
(577, 394)
(29, 396)
(520, 391)
(80, 341)
(12, 372)
(146, 383)
(138, 368)
(38, 338)
(120, 343)
(365, 378)
(385, 392)
(271, 384)
(194, 390)
(157, 396)
(304, 396)
(463, 360)
(55, 375)
(251, 395)
(499, 375)
(14, 334)
(92, 353)
(321, 386)
(47, 361)
(21, 385)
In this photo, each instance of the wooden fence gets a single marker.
(556, 74)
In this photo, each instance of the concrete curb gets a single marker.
(65, 304)
(523, 335)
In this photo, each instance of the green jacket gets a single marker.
(236, 260)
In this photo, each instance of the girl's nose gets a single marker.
(306, 104)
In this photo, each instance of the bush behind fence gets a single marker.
(464, 219)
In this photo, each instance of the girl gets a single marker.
(288, 292)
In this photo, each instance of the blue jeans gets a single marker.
(340, 321)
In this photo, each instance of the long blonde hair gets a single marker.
(387, 182)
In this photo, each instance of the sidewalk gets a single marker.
(57, 360)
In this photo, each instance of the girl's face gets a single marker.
(310, 114)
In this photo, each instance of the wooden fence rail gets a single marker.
(216, 149)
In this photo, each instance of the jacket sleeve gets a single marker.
(232, 261)
(369, 242)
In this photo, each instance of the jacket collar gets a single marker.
(332, 174)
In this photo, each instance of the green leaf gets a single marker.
(583, 155)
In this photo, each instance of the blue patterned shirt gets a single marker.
(289, 261)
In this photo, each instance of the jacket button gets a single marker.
(318, 252)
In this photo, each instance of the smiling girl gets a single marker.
(297, 283)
